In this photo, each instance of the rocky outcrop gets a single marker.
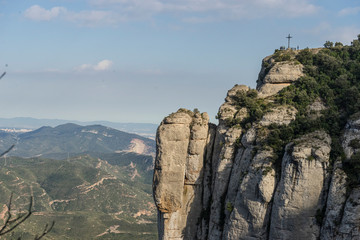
(301, 191)
(233, 181)
(275, 76)
(226, 140)
(182, 140)
(279, 115)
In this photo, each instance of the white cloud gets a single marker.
(103, 65)
(115, 11)
(349, 11)
(100, 66)
(38, 13)
(83, 18)
(93, 18)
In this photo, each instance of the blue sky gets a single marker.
(139, 60)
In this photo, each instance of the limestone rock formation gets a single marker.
(275, 76)
(301, 190)
(181, 147)
(279, 115)
(242, 180)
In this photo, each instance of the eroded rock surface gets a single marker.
(279, 115)
(182, 142)
(301, 191)
(275, 76)
(232, 181)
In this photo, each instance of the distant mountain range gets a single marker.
(74, 139)
(94, 181)
(143, 129)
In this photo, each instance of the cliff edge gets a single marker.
(283, 162)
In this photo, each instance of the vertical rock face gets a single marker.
(342, 217)
(182, 142)
(225, 149)
(249, 210)
(232, 181)
(253, 181)
(301, 192)
(335, 204)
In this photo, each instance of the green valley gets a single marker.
(91, 192)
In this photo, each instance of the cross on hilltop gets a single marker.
(289, 37)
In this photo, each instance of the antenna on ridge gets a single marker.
(289, 37)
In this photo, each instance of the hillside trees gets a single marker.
(328, 44)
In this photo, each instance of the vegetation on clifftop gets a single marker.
(332, 76)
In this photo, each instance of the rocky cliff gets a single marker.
(283, 162)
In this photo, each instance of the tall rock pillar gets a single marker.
(182, 140)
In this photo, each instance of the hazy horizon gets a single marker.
(138, 61)
(74, 121)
